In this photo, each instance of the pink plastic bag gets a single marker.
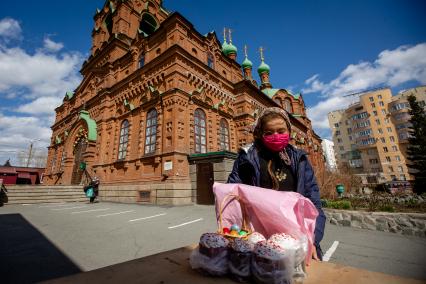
(269, 211)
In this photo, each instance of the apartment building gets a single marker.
(366, 139)
(399, 113)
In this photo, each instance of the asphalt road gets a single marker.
(45, 241)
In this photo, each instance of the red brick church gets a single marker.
(162, 109)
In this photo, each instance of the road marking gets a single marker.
(110, 214)
(93, 210)
(330, 251)
(56, 209)
(25, 204)
(183, 224)
(149, 217)
(54, 205)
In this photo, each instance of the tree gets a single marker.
(416, 150)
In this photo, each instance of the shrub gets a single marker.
(338, 204)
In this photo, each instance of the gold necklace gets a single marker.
(280, 175)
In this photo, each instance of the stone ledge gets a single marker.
(413, 224)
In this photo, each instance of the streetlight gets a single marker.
(31, 150)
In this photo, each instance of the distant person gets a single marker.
(271, 162)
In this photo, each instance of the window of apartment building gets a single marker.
(389, 129)
(371, 152)
(373, 105)
(392, 139)
(349, 130)
(339, 140)
(381, 103)
(379, 97)
(336, 125)
(383, 111)
(350, 137)
(346, 122)
(402, 177)
(385, 149)
(375, 112)
(371, 99)
(124, 139)
(390, 168)
(337, 132)
(400, 169)
(398, 158)
(393, 177)
(151, 132)
(374, 161)
(380, 131)
(388, 159)
(378, 121)
(224, 135)
(394, 148)
(383, 139)
(200, 131)
(342, 148)
(386, 120)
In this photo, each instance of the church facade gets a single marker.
(162, 109)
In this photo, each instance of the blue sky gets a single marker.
(324, 49)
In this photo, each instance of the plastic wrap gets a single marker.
(239, 264)
(274, 272)
(216, 266)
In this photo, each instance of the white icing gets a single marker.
(255, 237)
(285, 241)
(269, 250)
(213, 240)
(241, 245)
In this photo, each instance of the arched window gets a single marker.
(224, 135)
(108, 23)
(210, 60)
(287, 106)
(141, 60)
(200, 131)
(124, 139)
(151, 132)
(148, 24)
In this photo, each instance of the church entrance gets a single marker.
(77, 171)
(205, 180)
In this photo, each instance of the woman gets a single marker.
(270, 162)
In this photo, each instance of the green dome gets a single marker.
(263, 68)
(247, 63)
(228, 49)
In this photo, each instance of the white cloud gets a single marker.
(17, 133)
(10, 29)
(39, 80)
(391, 68)
(50, 45)
(42, 105)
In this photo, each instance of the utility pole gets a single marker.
(30, 153)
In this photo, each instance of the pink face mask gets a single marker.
(276, 142)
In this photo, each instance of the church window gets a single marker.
(108, 23)
(210, 60)
(148, 24)
(124, 139)
(224, 135)
(200, 131)
(287, 106)
(151, 132)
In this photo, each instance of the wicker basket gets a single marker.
(245, 225)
